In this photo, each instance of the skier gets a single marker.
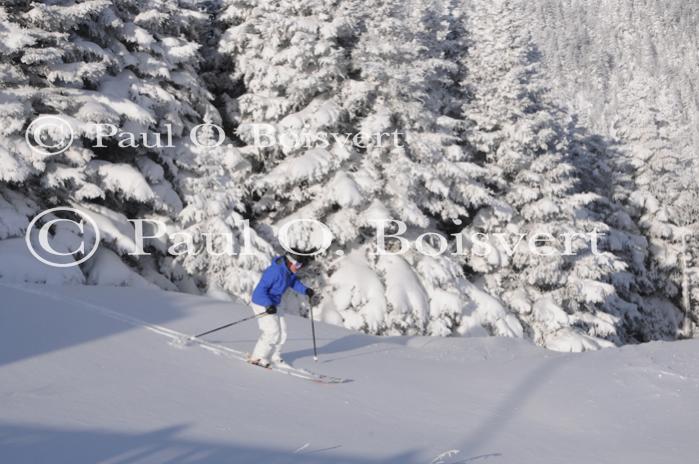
(276, 279)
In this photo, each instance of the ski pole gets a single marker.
(228, 325)
(313, 330)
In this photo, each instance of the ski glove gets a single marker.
(310, 292)
(271, 309)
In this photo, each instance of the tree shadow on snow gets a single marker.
(342, 345)
(22, 444)
(507, 411)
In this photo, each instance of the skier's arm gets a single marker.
(298, 286)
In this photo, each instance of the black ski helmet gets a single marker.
(296, 258)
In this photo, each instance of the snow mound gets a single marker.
(17, 265)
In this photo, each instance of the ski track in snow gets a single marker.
(173, 335)
(302, 448)
(447, 454)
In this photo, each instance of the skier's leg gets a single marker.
(269, 325)
(271, 332)
(277, 353)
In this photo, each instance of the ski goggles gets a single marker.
(295, 264)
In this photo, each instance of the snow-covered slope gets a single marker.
(81, 385)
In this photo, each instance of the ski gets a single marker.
(307, 375)
(299, 373)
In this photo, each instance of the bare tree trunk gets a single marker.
(686, 331)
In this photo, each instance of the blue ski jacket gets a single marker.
(274, 282)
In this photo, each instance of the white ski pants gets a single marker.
(273, 336)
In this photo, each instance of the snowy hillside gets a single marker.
(81, 385)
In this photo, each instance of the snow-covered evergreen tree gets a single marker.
(574, 297)
(129, 64)
(321, 71)
(410, 71)
(632, 87)
(288, 62)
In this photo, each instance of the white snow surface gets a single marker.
(88, 377)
